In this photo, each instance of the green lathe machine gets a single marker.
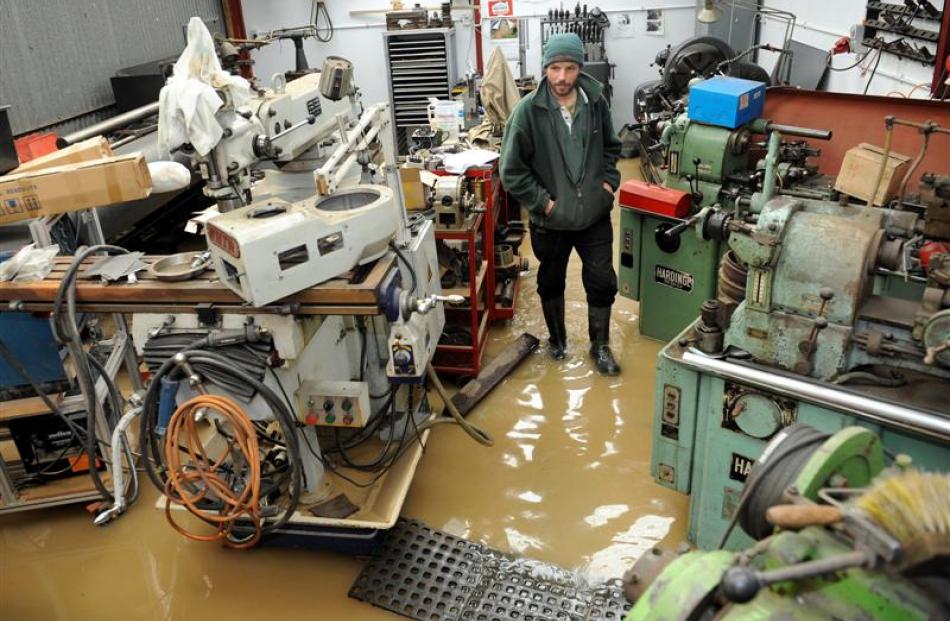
(840, 536)
(706, 164)
(820, 337)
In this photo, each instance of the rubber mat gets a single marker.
(423, 573)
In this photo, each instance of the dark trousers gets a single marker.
(595, 247)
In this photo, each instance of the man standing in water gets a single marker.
(559, 160)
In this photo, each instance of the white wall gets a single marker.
(632, 56)
(822, 22)
(359, 39)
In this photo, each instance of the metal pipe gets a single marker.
(913, 167)
(920, 422)
(888, 135)
(771, 174)
(104, 127)
(799, 132)
(928, 125)
(817, 567)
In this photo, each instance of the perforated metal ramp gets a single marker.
(423, 573)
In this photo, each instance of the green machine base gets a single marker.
(670, 280)
(709, 428)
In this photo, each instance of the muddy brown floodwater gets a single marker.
(567, 482)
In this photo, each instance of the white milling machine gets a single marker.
(332, 206)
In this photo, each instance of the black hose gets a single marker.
(849, 67)
(66, 331)
(412, 272)
(873, 71)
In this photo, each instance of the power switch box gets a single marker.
(331, 403)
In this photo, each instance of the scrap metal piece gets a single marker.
(113, 268)
(339, 507)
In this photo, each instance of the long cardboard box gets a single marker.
(86, 151)
(73, 187)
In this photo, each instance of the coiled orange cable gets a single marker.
(197, 478)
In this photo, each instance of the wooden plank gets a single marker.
(24, 408)
(225, 309)
(203, 289)
(496, 370)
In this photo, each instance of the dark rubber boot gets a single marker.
(554, 318)
(598, 322)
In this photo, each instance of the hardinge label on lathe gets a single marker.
(739, 467)
(673, 278)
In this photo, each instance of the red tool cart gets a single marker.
(462, 345)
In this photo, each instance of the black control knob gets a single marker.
(740, 584)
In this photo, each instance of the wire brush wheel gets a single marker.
(914, 508)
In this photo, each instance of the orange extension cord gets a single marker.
(197, 478)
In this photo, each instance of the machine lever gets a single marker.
(424, 305)
(310, 120)
(677, 230)
(808, 346)
(741, 584)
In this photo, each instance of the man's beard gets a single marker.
(563, 88)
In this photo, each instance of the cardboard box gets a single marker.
(77, 186)
(860, 168)
(412, 188)
(85, 151)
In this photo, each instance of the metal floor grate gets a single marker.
(429, 575)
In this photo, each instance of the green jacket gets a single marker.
(533, 167)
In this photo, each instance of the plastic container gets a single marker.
(449, 116)
(34, 145)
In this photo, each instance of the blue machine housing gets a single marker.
(30, 340)
(726, 102)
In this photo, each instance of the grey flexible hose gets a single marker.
(475, 432)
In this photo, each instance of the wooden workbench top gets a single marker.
(148, 293)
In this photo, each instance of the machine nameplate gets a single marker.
(224, 241)
(739, 467)
(673, 278)
(671, 405)
(314, 107)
